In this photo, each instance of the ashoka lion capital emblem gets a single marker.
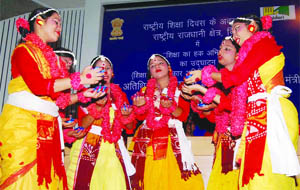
(116, 32)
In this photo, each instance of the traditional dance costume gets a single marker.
(30, 145)
(162, 154)
(100, 160)
(224, 174)
(266, 161)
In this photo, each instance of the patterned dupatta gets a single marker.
(87, 160)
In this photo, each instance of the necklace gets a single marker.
(111, 132)
(49, 55)
(151, 120)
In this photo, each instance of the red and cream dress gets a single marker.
(272, 120)
(162, 154)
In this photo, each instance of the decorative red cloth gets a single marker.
(87, 160)
(49, 152)
(141, 141)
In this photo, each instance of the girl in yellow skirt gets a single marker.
(229, 117)
(267, 155)
(162, 154)
(100, 160)
(30, 140)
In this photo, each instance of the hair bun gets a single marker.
(266, 22)
(23, 26)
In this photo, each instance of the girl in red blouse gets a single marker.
(267, 154)
(30, 138)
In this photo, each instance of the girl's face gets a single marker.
(240, 32)
(68, 61)
(108, 70)
(158, 67)
(227, 53)
(50, 30)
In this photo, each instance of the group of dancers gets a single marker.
(256, 130)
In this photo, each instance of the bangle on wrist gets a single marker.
(210, 95)
(75, 81)
(63, 100)
(206, 75)
(82, 98)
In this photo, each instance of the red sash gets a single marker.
(49, 152)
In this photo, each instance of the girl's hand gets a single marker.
(195, 77)
(185, 96)
(205, 108)
(126, 110)
(190, 89)
(139, 100)
(92, 93)
(77, 134)
(166, 103)
(101, 102)
(66, 124)
(91, 76)
(208, 107)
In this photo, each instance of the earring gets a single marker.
(39, 22)
(169, 68)
(170, 71)
(112, 75)
(251, 28)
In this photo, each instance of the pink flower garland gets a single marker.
(206, 75)
(150, 118)
(113, 135)
(21, 22)
(127, 120)
(49, 55)
(142, 109)
(222, 121)
(92, 110)
(166, 111)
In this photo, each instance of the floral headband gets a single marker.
(153, 56)
(69, 53)
(240, 19)
(43, 12)
(102, 58)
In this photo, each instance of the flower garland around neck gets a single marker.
(109, 135)
(151, 120)
(49, 55)
(239, 93)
